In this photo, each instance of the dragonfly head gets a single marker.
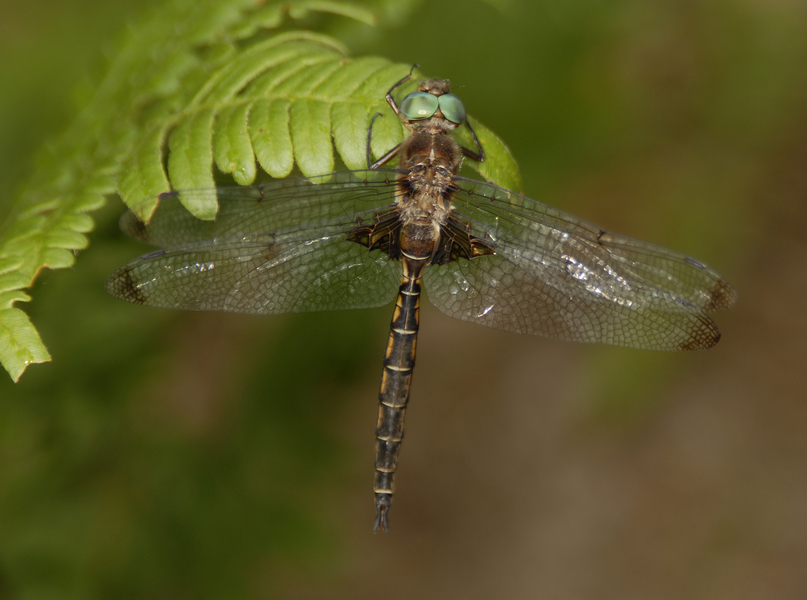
(433, 100)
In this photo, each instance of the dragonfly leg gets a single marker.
(394, 105)
(384, 159)
(390, 99)
(477, 156)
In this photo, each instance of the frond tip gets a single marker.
(20, 344)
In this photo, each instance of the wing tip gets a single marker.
(702, 338)
(133, 227)
(121, 284)
(722, 295)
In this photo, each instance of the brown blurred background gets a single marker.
(169, 455)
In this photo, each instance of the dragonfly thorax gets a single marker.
(430, 205)
(436, 148)
(427, 185)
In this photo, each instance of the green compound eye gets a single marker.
(419, 105)
(452, 108)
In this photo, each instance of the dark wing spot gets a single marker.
(703, 337)
(134, 228)
(122, 284)
(723, 296)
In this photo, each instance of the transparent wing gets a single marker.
(261, 275)
(498, 293)
(273, 248)
(560, 277)
(609, 265)
(330, 201)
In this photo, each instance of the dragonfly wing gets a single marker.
(662, 269)
(499, 293)
(261, 275)
(557, 276)
(549, 242)
(280, 205)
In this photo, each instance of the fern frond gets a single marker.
(201, 83)
(292, 99)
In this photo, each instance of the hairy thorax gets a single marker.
(430, 158)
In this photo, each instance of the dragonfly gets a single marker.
(359, 239)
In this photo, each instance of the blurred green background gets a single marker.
(171, 455)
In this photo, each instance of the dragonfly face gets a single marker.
(358, 239)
